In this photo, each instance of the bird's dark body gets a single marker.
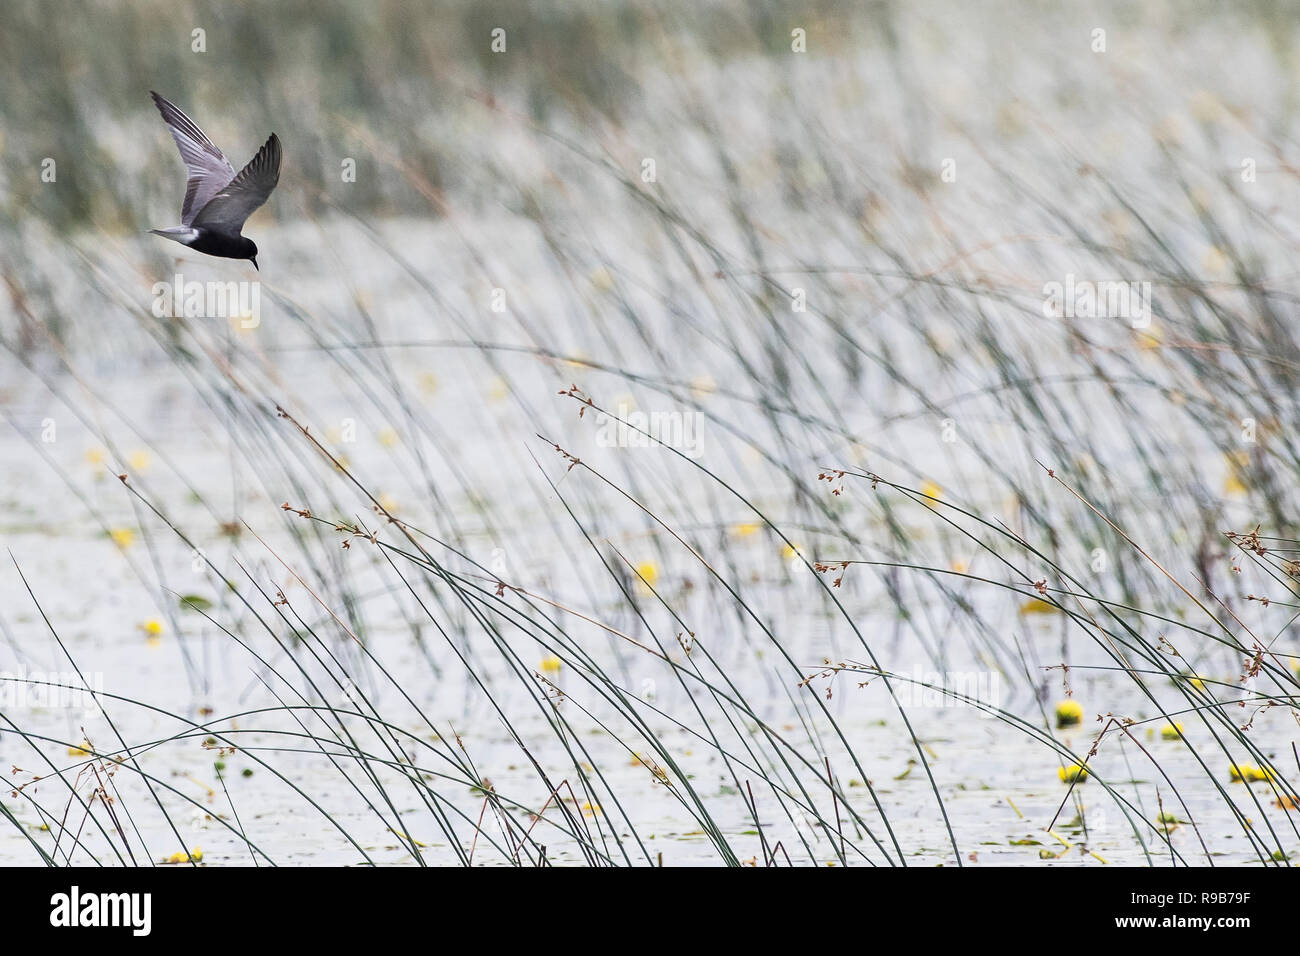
(223, 244)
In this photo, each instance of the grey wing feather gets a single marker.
(235, 202)
(209, 170)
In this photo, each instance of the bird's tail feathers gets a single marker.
(181, 234)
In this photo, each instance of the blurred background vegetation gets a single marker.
(392, 79)
(335, 78)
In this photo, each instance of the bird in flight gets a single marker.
(217, 200)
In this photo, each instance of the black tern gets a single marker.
(217, 201)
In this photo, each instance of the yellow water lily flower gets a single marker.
(1035, 606)
(648, 572)
(1249, 773)
(1234, 483)
(1074, 773)
(703, 385)
(1215, 261)
(1172, 731)
(550, 665)
(1150, 337)
(1068, 713)
(122, 537)
(746, 529)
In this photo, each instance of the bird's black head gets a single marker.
(250, 252)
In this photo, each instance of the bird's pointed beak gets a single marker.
(253, 259)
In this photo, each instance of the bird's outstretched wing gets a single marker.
(209, 170)
(235, 202)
